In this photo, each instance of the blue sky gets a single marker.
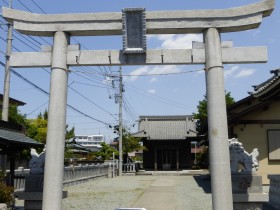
(90, 89)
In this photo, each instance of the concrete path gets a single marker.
(175, 193)
(150, 192)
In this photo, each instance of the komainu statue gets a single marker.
(37, 162)
(238, 156)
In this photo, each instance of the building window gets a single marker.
(273, 144)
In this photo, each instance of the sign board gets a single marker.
(134, 30)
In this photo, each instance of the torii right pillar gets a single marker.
(217, 122)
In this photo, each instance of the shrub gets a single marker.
(6, 194)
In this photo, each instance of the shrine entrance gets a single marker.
(166, 158)
(133, 24)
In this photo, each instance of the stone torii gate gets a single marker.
(134, 24)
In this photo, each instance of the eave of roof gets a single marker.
(172, 127)
(263, 95)
(268, 85)
(16, 138)
(13, 101)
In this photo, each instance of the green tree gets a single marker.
(69, 133)
(201, 114)
(129, 142)
(106, 152)
(37, 129)
(16, 117)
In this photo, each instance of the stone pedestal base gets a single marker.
(251, 201)
(33, 192)
(33, 200)
(248, 192)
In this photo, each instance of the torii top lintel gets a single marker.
(157, 22)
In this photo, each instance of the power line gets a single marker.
(86, 72)
(92, 102)
(5, 2)
(159, 74)
(24, 6)
(38, 6)
(157, 98)
(46, 93)
(37, 108)
(89, 84)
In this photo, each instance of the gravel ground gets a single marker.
(187, 192)
(106, 194)
(125, 191)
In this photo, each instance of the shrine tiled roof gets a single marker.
(167, 127)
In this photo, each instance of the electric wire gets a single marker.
(103, 73)
(92, 102)
(24, 5)
(38, 6)
(157, 98)
(46, 93)
(37, 108)
(5, 2)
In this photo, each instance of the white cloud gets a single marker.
(237, 72)
(154, 79)
(151, 91)
(245, 73)
(153, 70)
(137, 72)
(172, 41)
(256, 33)
(231, 71)
(164, 69)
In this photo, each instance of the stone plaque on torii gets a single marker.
(212, 53)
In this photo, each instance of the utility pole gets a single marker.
(120, 123)
(6, 92)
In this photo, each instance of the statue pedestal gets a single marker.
(247, 192)
(33, 193)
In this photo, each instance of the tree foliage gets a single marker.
(201, 114)
(15, 117)
(129, 142)
(106, 152)
(69, 133)
(35, 129)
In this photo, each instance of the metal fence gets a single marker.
(72, 174)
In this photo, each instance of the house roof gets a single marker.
(263, 95)
(11, 101)
(11, 136)
(16, 137)
(74, 147)
(268, 85)
(174, 127)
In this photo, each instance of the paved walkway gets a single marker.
(153, 192)
(150, 192)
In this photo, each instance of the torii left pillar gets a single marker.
(54, 168)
